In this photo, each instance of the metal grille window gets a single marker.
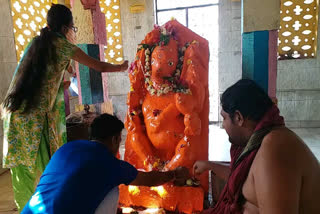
(29, 17)
(167, 9)
(114, 51)
(298, 29)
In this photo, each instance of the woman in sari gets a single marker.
(33, 110)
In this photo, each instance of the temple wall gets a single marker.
(134, 29)
(83, 20)
(229, 54)
(8, 60)
(298, 90)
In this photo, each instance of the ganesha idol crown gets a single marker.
(170, 82)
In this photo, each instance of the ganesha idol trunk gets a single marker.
(168, 116)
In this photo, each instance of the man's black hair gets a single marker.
(105, 126)
(248, 98)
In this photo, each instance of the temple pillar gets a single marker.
(92, 38)
(260, 22)
(90, 80)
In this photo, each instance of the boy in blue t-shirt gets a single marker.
(83, 176)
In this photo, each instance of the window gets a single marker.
(195, 14)
(298, 29)
(167, 9)
(114, 51)
(202, 17)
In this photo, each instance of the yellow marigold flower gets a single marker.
(155, 164)
(165, 85)
(133, 190)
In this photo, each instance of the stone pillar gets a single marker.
(260, 22)
(100, 38)
(91, 38)
(90, 80)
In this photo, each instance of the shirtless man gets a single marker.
(283, 174)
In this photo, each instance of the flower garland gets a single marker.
(172, 83)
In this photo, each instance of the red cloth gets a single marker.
(229, 200)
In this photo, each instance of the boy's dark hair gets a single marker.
(248, 98)
(105, 126)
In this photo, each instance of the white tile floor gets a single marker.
(219, 145)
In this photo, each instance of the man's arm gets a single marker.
(222, 170)
(156, 178)
(277, 177)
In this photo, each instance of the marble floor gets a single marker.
(218, 150)
(7, 205)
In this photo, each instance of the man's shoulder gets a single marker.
(281, 139)
(79, 143)
(281, 148)
(80, 146)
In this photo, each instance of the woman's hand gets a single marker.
(124, 66)
(66, 85)
(71, 36)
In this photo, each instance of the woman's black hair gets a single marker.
(33, 67)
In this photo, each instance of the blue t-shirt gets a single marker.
(77, 178)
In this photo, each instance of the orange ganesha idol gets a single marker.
(167, 118)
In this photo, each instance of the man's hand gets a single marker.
(181, 175)
(221, 169)
(156, 178)
(200, 167)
